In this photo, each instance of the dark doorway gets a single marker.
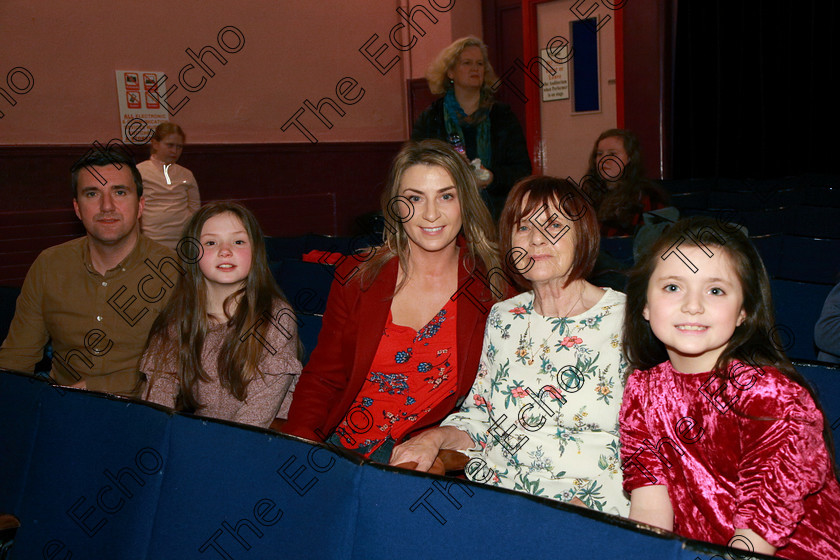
(502, 25)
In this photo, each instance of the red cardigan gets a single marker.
(347, 344)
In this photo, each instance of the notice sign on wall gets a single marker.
(137, 104)
(557, 86)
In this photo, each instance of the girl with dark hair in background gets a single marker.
(722, 440)
(170, 190)
(226, 344)
(401, 335)
(616, 184)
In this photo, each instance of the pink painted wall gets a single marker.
(293, 51)
(567, 138)
(464, 19)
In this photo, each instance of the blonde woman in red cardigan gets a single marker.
(401, 337)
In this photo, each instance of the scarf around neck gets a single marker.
(454, 116)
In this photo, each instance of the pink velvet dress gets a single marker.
(745, 454)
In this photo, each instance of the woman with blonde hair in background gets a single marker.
(478, 126)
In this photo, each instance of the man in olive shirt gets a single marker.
(95, 298)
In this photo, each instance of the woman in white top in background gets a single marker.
(170, 190)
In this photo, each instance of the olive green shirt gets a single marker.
(98, 324)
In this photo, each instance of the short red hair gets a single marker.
(574, 206)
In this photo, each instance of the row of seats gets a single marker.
(157, 486)
(798, 306)
(802, 259)
(809, 221)
(787, 257)
(758, 200)
(802, 185)
(279, 248)
(807, 205)
(306, 284)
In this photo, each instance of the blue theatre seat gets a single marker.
(826, 381)
(798, 306)
(814, 221)
(343, 245)
(308, 328)
(620, 248)
(678, 186)
(690, 200)
(760, 222)
(808, 259)
(305, 284)
(93, 476)
(279, 248)
(770, 249)
(751, 199)
(825, 196)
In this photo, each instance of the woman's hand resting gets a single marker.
(424, 448)
(421, 449)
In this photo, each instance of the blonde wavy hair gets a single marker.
(445, 61)
(477, 226)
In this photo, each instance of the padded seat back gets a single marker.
(92, 476)
(826, 381)
(807, 259)
(798, 306)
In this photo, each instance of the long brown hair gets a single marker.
(755, 341)
(477, 226)
(182, 326)
(621, 204)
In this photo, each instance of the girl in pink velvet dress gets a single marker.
(721, 439)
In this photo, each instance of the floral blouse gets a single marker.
(543, 411)
(411, 373)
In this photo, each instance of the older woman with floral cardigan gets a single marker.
(542, 415)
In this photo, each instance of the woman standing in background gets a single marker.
(487, 130)
(170, 190)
